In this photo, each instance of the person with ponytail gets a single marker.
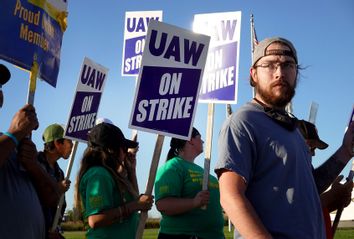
(106, 188)
(188, 212)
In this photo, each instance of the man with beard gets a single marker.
(267, 187)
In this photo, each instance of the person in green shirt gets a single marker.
(106, 188)
(187, 210)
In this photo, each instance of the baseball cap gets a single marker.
(107, 135)
(53, 132)
(177, 143)
(309, 131)
(260, 49)
(103, 120)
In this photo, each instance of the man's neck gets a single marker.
(261, 102)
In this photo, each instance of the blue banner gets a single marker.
(29, 32)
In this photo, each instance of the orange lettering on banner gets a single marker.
(26, 15)
(30, 19)
(33, 37)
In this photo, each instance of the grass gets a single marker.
(152, 234)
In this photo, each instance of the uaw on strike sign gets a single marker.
(87, 99)
(169, 81)
(221, 71)
(135, 29)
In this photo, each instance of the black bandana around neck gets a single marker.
(283, 118)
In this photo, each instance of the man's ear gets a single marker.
(57, 143)
(253, 74)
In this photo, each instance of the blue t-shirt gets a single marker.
(20, 209)
(276, 165)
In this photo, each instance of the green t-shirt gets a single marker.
(180, 178)
(99, 192)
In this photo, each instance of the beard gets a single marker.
(281, 99)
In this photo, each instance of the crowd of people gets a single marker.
(265, 184)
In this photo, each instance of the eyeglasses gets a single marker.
(273, 66)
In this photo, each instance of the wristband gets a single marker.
(11, 136)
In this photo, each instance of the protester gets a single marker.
(180, 198)
(339, 195)
(24, 185)
(105, 185)
(55, 147)
(267, 185)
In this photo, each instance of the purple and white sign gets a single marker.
(135, 29)
(220, 78)
(169, 81)
(87, 99)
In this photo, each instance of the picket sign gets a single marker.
(135, 29)
(313, 112)
(228, 114)
(167, 89)
(33, 81)
(134, 131)
(150, 183)
(209, 137)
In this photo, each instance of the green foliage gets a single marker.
(72, 226)
(69, 215)
(74, 235)
(152, 223)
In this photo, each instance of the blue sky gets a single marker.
(322, 32)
